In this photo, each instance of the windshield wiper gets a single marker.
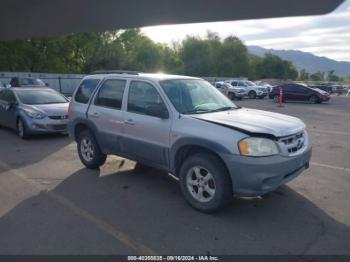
(197, 111)
(226, 108)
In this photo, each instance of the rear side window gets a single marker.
(111, 94)
(85, 90)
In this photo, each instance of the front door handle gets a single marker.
(95, 115)
(129, 122)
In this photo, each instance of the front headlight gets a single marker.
(34, 114)
(256, 146)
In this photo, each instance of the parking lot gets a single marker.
(51, 204)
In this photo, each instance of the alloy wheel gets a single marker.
(201, 184)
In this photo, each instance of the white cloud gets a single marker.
(327, 35)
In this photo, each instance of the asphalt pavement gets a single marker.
(51, 204)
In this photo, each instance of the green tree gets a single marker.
(232, 59)
(318, 76)
(333, 77)
(303, 75)
(272, 66)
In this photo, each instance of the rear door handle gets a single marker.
(129, 122)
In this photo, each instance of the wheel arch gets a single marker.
(190, 146)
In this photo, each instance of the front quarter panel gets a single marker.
(188, 130)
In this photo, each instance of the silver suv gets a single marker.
(186, 127)
(251, 89)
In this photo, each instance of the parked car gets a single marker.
(230, 91)
(299, 92)
(186, 127)
(264, 84)
(338, 89)
(27, 82)
(33, 111)
(251, 89)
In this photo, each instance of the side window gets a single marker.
(111, 94)
(2, 95)
(85, 90)
(287, 88)
(144, 99)
(7, 96)
(234, 83)
(299, 89)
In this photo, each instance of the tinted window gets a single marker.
(299, 89)
(85, 90)
(7, 96)
(111, 94)
(234, 84)
(142, 97)
(287, 88)
(40, 97)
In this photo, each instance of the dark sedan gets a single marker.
(299, 92)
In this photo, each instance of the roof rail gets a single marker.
(121, 72)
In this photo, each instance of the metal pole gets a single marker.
(59, 84)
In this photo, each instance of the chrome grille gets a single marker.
(293, 144)
(59, 117)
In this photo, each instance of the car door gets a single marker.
(146, 134)
(8, 103)
(106, 114)
(287, 92)
(299, 93)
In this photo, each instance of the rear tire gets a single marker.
(89, 151)
(252, 95)
(205, 183)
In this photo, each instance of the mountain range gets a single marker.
(308, 61)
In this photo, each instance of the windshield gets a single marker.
(192, 96)
(40, 97)
(249, 83)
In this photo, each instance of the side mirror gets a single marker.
(158, 110)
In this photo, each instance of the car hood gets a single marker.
(321, 91)
(255, 121)
(51, 109)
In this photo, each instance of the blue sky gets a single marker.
(326, 35)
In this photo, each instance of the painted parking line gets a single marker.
(105, 227)
(330, 166)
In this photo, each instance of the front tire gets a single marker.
(21, 129)
(205, 183)
(252, 95)
(231, 96)
(313, 99)
(89, 151)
